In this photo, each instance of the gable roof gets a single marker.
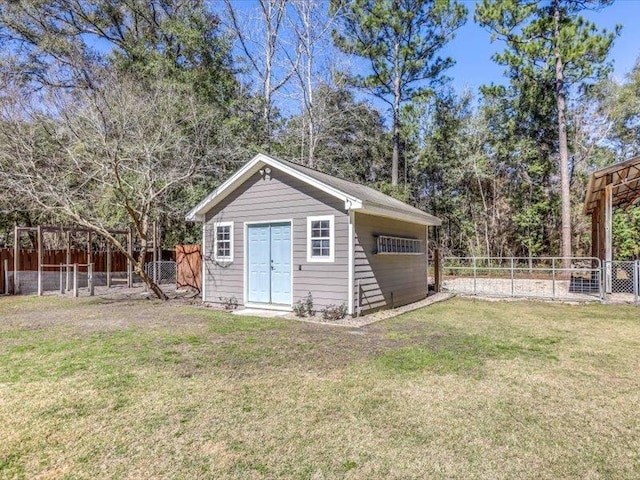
(356, 196)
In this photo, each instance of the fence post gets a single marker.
(61, 279)
(512, 280)
(474, 276)
(636, 280)
(553, 278)
(6, 275)
(90, 279)
(437, 270)
(75, 280)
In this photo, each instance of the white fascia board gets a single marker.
(197, 214)
(390, 213)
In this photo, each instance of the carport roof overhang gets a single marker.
(624, 179)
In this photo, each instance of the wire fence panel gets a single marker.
(162, 271)
(622, 279)
(522, 277)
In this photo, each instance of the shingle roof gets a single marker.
(366, 194)
(357, 196)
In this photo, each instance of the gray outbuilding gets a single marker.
(275, 231)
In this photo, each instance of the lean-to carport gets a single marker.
(616, 186)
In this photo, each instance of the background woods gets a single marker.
(128, 113)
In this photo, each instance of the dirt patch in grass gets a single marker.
(466, 388)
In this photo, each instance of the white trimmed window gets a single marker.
(320, 238)
(223, 241)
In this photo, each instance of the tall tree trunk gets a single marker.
(562, 141)
(395, 159)
(141, 260)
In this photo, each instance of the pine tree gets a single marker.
(402, 40)
(552, 42)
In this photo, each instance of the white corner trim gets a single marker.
(203, 280)
(352, 246)
(245, 265)
(228, 259)
(332, 239)
(253, 166)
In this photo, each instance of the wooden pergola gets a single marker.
(616, 186)
(68, 266)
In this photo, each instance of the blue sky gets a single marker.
(472, 48)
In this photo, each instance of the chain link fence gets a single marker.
(162, 271)
(622, 280)
(577, 279)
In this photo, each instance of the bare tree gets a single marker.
(263, 44)
(106, 156)
(311, 24)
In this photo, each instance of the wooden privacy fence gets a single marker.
(189, 263)
(29, 260)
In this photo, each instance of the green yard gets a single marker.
(136, 389)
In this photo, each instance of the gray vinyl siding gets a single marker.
(281, 197)
(380, 276)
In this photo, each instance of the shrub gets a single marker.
(333, 312)
(304, 307)
(229, 303)
(308, 303)
(300, 309)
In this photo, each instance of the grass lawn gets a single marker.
(92, 388)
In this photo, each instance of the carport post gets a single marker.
(61, 279)
(608, 243)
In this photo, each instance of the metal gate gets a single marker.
(622, 280)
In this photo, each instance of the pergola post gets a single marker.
(155, 252)
(16, 259)
(89, 252)
(108, 265)
(39, 236)
(130, 251)
(68, 260)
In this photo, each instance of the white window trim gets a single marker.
(228, 259)
(332, 239)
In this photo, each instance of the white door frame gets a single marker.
(245, 266)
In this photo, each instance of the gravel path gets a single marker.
(377, 316)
